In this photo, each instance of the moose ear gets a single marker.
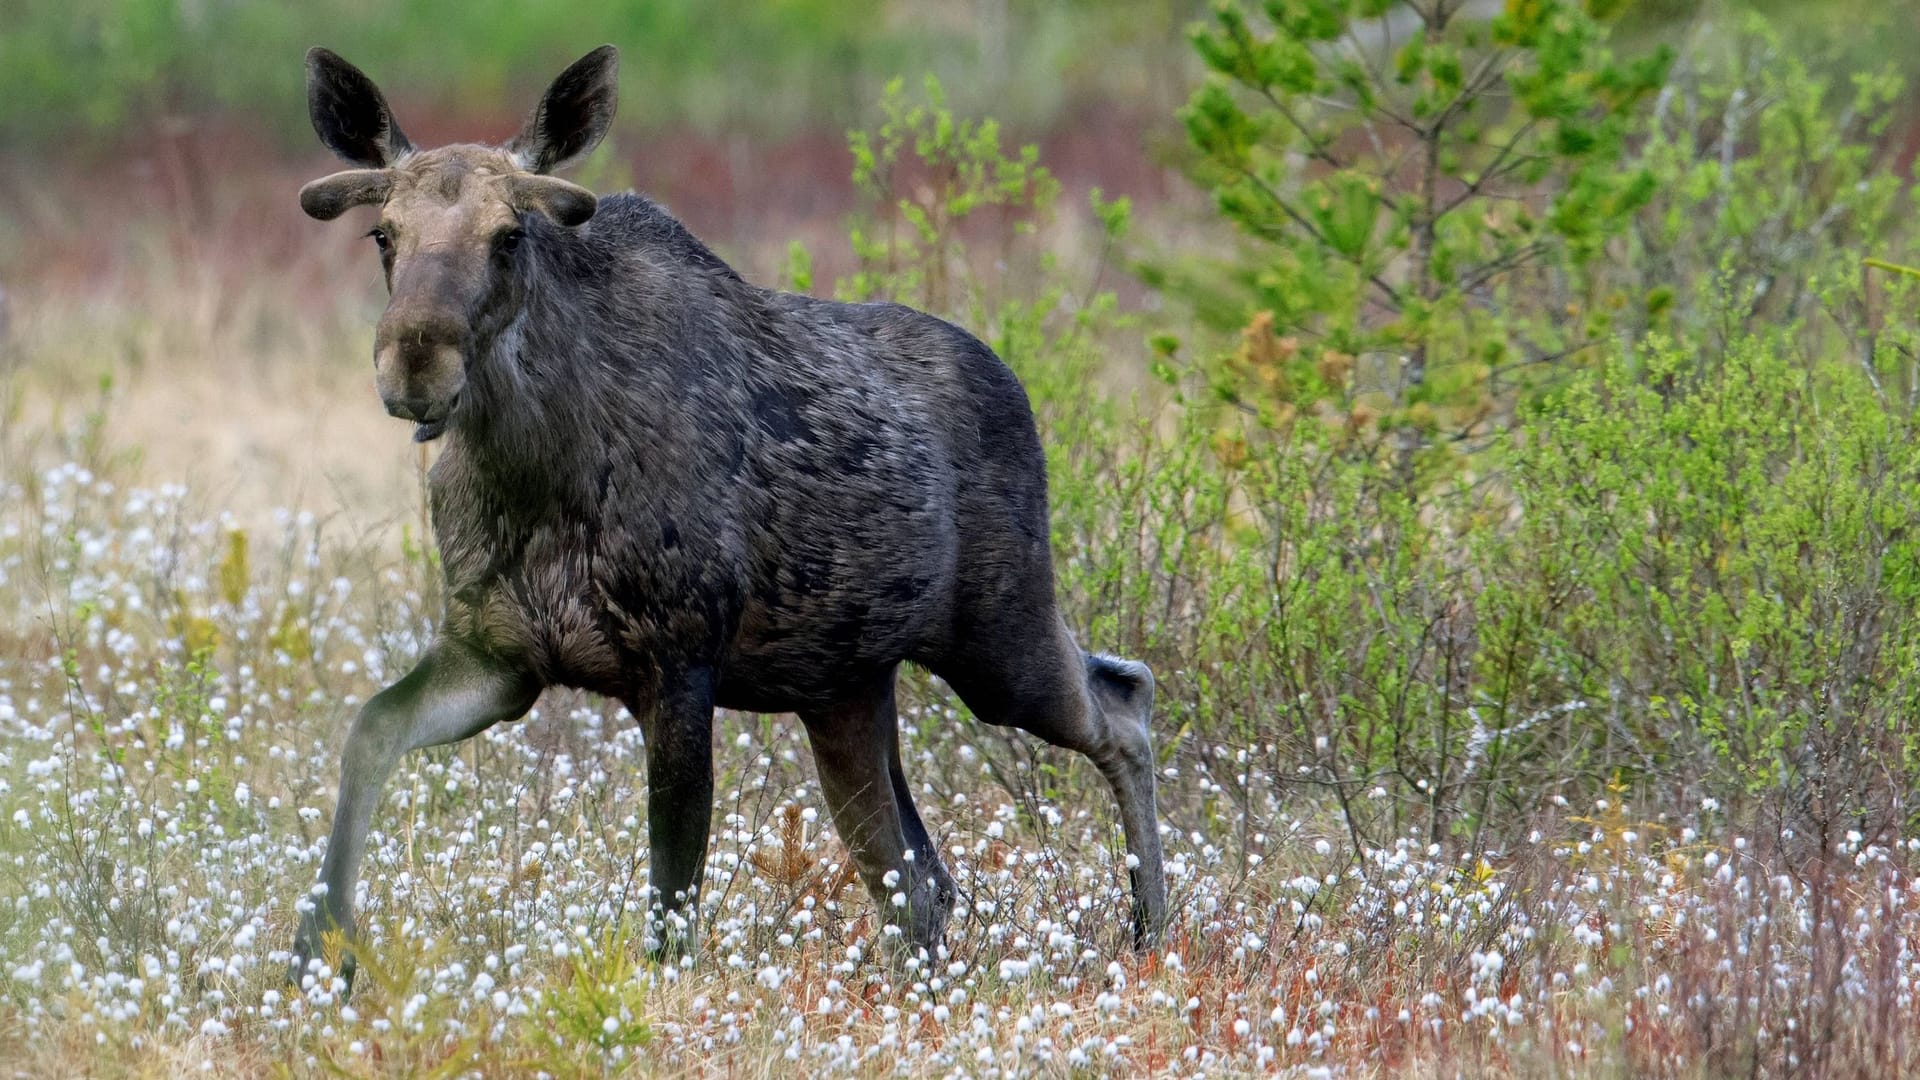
(349, 114)
(565, 202)
(573, 116)
(330, 196)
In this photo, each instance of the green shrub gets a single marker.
(1421, 208)
(1681, 566)
(1771, 182)
(1737, 590)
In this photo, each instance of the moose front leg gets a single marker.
(452, 694)
(679, 736)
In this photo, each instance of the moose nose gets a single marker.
(418, 410)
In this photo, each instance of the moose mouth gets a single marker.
(425, 431)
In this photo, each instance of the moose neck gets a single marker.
(553, 394)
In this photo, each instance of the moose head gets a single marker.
(455, 222)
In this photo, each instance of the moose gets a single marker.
(662, 484)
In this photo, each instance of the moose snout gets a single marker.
(420, 368)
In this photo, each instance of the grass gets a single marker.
(163, 810)
(174, 686)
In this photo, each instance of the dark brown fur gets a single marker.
(669, 486)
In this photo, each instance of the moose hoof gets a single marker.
(310, 945)
(919, 929)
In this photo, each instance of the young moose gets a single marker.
(666, 485)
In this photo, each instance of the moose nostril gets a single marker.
(407, 409)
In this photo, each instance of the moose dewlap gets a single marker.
(669, 486)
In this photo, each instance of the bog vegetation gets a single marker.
(1520, 520)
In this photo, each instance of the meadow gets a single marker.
(1505, 456)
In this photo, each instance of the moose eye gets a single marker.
(510, 241)
(380, 239)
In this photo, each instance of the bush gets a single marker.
(1770, 183)
(1680, 565)
(1422, 207)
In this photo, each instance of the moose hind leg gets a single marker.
(856, 750)
(1096, 705)
(1122, 692)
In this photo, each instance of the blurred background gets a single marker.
(150, 151)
